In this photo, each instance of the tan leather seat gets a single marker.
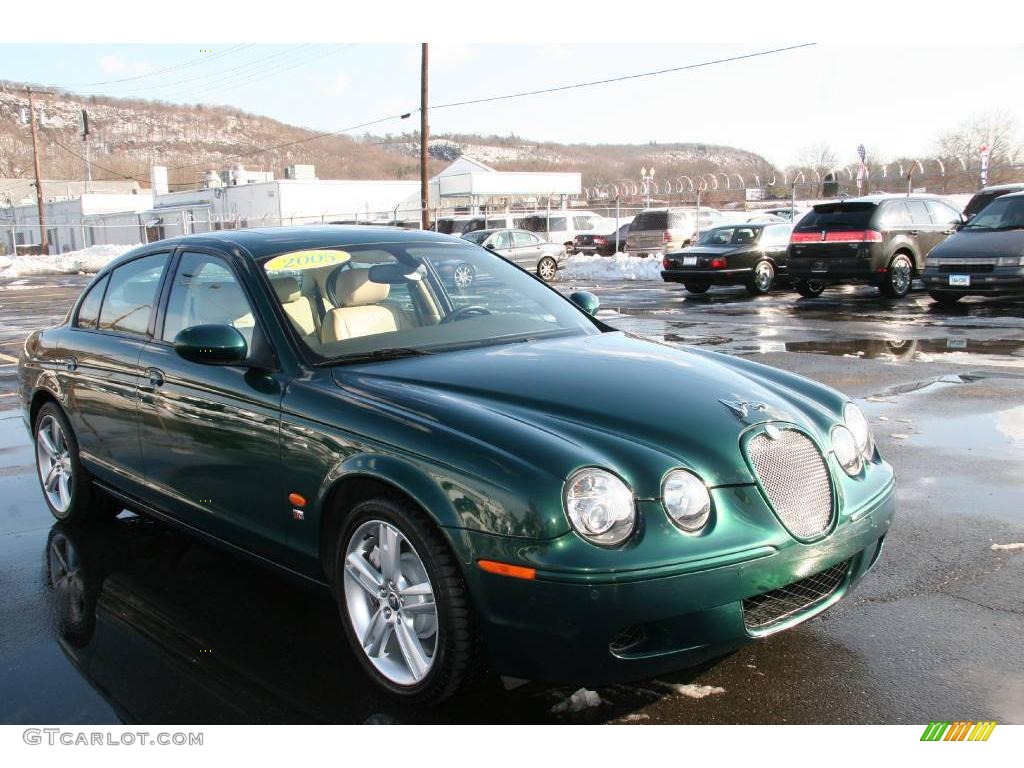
(298, 307)
(360, 313)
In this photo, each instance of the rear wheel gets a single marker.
(403, 602)
(694, 287)
(810, 289)
(944, 297)
(67, 486)
(897, 280)
(761, 279)
(547, 268)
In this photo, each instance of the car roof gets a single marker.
(999, 187)
(261, 242)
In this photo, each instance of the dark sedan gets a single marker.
(606, 244)
(985, 258)
(752, 255)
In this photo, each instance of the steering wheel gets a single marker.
(468, 311)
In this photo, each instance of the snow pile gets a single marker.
(90, 260)
(617, 267)
(1007, 547)
(582, 699)
(692, 690)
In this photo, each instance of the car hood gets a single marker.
(614, 400)
(981, 244)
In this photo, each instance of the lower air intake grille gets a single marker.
(795, 479)
(764, 610)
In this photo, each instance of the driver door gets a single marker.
(501, 244)
(210, 433)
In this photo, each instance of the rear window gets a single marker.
(650, 220)
(838, 217)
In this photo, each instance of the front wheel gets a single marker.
(67, 486)
(897, 280)
(694, 287)
(944, 297)
(810, 289)
(403, 602)
(547, 268)
(761, 279)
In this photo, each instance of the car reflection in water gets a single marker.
(911, 349)
(168, 630)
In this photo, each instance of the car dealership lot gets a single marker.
(185, 632)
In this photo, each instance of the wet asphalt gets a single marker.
(174, 631)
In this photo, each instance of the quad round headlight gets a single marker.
(844, 445)
(600, 507)
(858, 425)
(686, 500)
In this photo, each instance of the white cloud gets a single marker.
(111, 65)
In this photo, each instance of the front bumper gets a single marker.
(561, 626)
(1001, 280)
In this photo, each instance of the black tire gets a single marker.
(945, 297)
(75, 577)
(693, 287)
(87, 503)
(810, 289)
(898, 277)
(547, 268)
(458, 659)
(762, 278)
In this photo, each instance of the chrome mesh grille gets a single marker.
(764, 610)
(795, 478)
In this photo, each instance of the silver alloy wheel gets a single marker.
(66, 577)
(764, 276)
(899, 275)
(547, 269)
(463, 276)
(53, 459)
(390, 603)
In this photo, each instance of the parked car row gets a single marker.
(881, 240)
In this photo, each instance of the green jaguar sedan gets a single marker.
(475, 475)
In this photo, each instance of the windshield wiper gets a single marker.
(389, 353)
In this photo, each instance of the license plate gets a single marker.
(956, 343)
(689, 261)
(819, 266)
(960, 280)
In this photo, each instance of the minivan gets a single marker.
(881, 240)
(563, 226)
(663, 230)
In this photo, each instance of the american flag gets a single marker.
(861, 152)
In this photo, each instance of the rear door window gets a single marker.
(89, 309)
(919, 213)
(896, 215)
(131, 295)
(583, 223)
(942, 214)
(523, 239)
(842, 217)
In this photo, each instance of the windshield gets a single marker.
(398, 299)
(477, 236)
(730, 236)
(1002, 213)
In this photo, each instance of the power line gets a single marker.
(183, 65)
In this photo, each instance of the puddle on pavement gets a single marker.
(947, 349)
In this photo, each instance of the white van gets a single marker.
(563, 226)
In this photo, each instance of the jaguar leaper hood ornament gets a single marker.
(742, 408)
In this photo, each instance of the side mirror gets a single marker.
(586, 301)
(211, 345)
(491, 247)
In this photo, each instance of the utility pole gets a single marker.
(424, 142)
(43, 242)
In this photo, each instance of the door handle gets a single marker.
(914, 232)
(156, 377)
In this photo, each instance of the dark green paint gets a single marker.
(483, 439)
(211, 345)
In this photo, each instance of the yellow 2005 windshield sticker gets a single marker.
(299, 260)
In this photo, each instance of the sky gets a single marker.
(895, 99)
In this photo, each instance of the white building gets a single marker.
(93, 218)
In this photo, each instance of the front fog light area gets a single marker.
(686, 500)
(600, 507)
(847, 452)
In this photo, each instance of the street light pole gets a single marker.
(424, 140)
(43, 241)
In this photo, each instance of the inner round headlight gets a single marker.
(844, 445)
(686, 500)
(600, 507)
(858, 425)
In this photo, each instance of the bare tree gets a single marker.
(996, 130)
(818, 158)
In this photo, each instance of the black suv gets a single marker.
(879, 239)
